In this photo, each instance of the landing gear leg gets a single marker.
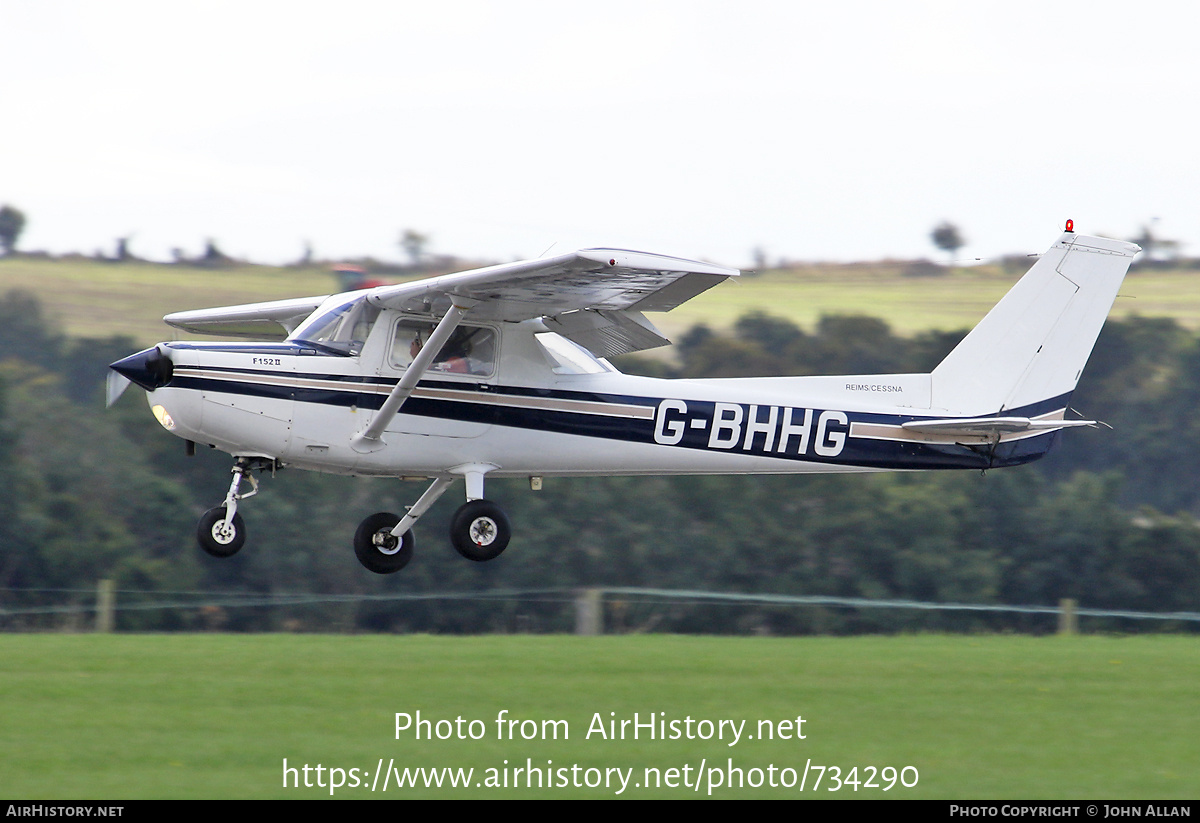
(221, 531)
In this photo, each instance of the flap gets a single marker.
(608, 333)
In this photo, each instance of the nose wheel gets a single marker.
(220, 536)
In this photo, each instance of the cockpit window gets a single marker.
(343, 329)
(469, 349)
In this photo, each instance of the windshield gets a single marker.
(341, 329)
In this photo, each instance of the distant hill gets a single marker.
(96, 298)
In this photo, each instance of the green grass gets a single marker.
(98, 299)
(213, 716)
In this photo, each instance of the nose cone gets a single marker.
(151, 369)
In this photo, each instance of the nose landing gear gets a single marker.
(221, 531)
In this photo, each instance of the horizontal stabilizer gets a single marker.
(990, 426)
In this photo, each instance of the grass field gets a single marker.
(911, 304)
(214, 716)
(94, 299)
(99, 299)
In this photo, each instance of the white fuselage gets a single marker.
(523, 416)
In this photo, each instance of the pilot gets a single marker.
(454, 356)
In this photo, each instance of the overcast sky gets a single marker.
(816, 131)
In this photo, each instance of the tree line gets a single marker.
(1107, 519)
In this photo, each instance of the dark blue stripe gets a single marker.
(862, 452)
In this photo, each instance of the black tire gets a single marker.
(480, 530)
(214, 540)
(385, 558)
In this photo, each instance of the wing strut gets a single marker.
(368, 439)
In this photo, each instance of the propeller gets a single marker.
(150, 368)
(114, 387)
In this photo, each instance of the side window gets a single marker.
(469, 350)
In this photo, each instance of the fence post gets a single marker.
(589, 611)
(106, 596)
(1068, 621)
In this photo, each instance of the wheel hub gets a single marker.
(483, 531)
(386, 542)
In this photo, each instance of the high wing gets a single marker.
(597, 279)
(594, 296)
(259, 321)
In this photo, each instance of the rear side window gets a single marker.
(567, 357)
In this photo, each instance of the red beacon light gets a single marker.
(1071, 226)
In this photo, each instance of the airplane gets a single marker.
(503, 371)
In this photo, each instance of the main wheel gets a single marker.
(218, 539)
(378, 549)
(480, 530)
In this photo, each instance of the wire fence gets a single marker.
(589, 609)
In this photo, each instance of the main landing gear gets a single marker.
(479, 530)
(378, 549)
(384, 542)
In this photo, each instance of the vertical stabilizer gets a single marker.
(1032, 346)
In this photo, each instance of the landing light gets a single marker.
(163, 417)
